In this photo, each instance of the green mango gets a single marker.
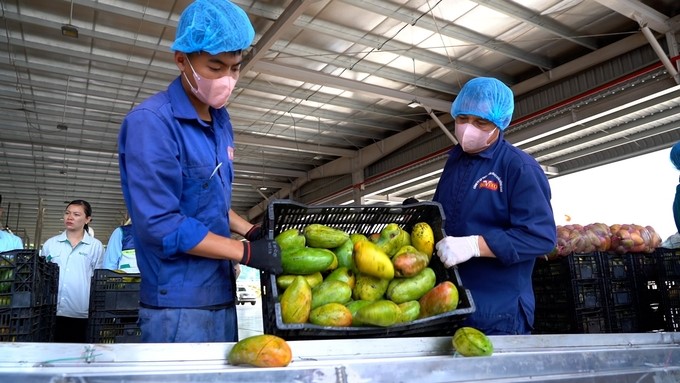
(345, 255)
(331, 292)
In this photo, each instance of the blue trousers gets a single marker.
(188, 325)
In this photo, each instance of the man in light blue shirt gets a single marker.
(9, 241)
(120, 251)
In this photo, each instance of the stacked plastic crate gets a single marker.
(114, 308)
(28, 297)
(570, 295)
(668, 284)
(621, 292)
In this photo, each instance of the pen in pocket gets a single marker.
(216, 169)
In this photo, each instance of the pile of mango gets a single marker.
(334, 278)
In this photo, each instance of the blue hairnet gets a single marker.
(213, 26)
(487, 98)
(675, 155)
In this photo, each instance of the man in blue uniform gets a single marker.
(675, 159)
(176, 153)
(499, 219)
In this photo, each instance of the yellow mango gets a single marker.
(331, 314)
(422, 238)
(263, 350)
(371, 260)
(296, 301)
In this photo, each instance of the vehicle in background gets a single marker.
(245, 294)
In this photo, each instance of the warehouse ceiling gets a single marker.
(321, 113)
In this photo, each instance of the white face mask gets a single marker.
(212, 92)
(472, 139)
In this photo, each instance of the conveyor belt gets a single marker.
(649, 357)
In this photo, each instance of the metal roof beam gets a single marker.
(272, 34)
(641, 13)
(269, 170)
(314, 95)
(409, 16)
(262, 141)
(661, 89)
(306, 75)
(374, 41)
(632, 138)
(370, 68)
(528, 16)
(605, 134)
(580, 64)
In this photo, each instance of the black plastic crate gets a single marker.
(31, 324)
(592, 322)
(574, 282)
(561, 321)
(621, 293)
(647, 266)
(670, 303)
(672, 319)
(120, 327)
(658, 289)
(282, 215)
(27, 280)
(650, 307)
(570, 295)
(624, 319)
(112, 291)
(552, 321)
(618, 266)
(576, 266)
(669, 261)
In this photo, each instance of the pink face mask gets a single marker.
(472, 139)
(212, 92)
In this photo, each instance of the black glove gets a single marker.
(254, 233)
(263, 254)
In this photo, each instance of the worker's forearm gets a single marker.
(484, 250)
(238, 224)
(218, 247)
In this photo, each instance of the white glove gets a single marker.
(455, 250)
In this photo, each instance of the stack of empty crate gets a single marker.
(28, 297)
(631, 292)
(114, 308)
(570, 295)
(658, 276)
(621, 287)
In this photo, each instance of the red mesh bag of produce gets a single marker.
(598, 235)
(631, 238)
(563, 247)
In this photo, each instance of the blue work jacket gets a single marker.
(503, 195)
(176, 174)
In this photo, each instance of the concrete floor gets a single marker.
(249, 319)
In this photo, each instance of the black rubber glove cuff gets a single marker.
(263, 254)
(254, 233)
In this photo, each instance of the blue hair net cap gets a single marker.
(675, 155)
(213, 26)
(487, 98)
